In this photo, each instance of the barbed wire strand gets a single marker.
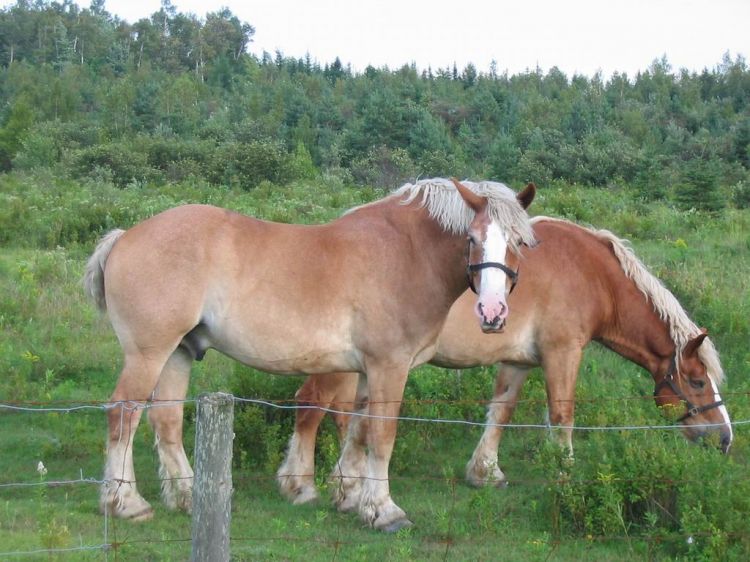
(104, 404)
(133, 406)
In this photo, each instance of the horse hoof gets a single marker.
(139, 510)
(144, 515)
(348, 505)
(475, 482)
(305, 495)
(394, 526)
(481, 474)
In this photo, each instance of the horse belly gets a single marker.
(284, 348)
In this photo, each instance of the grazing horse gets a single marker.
(577, 285)
(368, 292)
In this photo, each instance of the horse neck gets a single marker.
(439, 256)
(444, 252)
(637, 332)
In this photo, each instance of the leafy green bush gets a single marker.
(119, 162)
(651, 484)
(261, 431)
(741, 195)
(384, 167)
(699, 186)
(246, 164)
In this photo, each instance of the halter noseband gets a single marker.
(472, 268)
(692, 409)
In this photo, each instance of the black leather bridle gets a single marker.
(692, 409)
(472, 268)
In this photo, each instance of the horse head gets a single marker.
(688, 384)
(489, 273)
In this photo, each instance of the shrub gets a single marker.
(121, 161)
(262, 431)
(246, 164)
(383, 167)
(741, 195)
(699, 186)
(652, 485)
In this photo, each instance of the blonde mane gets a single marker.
(665, 304)
(445, 205)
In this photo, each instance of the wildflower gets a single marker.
(41, 469)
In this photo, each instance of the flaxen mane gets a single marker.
(446, 206)
(666, 305)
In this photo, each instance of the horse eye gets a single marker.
(697, 384)
(471, 239)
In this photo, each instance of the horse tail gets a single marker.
(93, 277)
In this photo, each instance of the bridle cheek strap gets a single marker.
(692, 409)
(472, 268)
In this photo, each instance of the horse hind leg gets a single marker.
(119, 495)
(483, 467)
(167, 418)
(296, 476)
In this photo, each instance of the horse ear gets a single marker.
(477, 203)
(527, 195)
(692, 346)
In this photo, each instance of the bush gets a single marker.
(653, 485)
(120, 162)
(262, 431)
(41, 148)
(384, 167)
(301, 164)
(741, 195)
(699, 186)
(246, 164)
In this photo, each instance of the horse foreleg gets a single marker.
(386, 389)
(483, 467)
(119, 495)
(166, 419)
(346, 476)
(560, 374)
(296, 475)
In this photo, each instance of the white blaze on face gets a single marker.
(722, 409)
(493, 281)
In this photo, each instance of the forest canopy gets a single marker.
(177, 97)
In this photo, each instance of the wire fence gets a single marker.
(110, 545)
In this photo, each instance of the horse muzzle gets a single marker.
(492, 318)
(721, 439)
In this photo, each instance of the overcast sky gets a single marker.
(578, 36)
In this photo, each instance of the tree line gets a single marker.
(176, 97)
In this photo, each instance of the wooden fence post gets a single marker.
(212, 487)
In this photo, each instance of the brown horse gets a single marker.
(368, 292)
(577, 285)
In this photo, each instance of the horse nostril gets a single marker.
(503, 310)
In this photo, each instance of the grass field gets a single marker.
(630, 495)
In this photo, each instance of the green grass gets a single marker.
(631, 495)
(449, 516)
